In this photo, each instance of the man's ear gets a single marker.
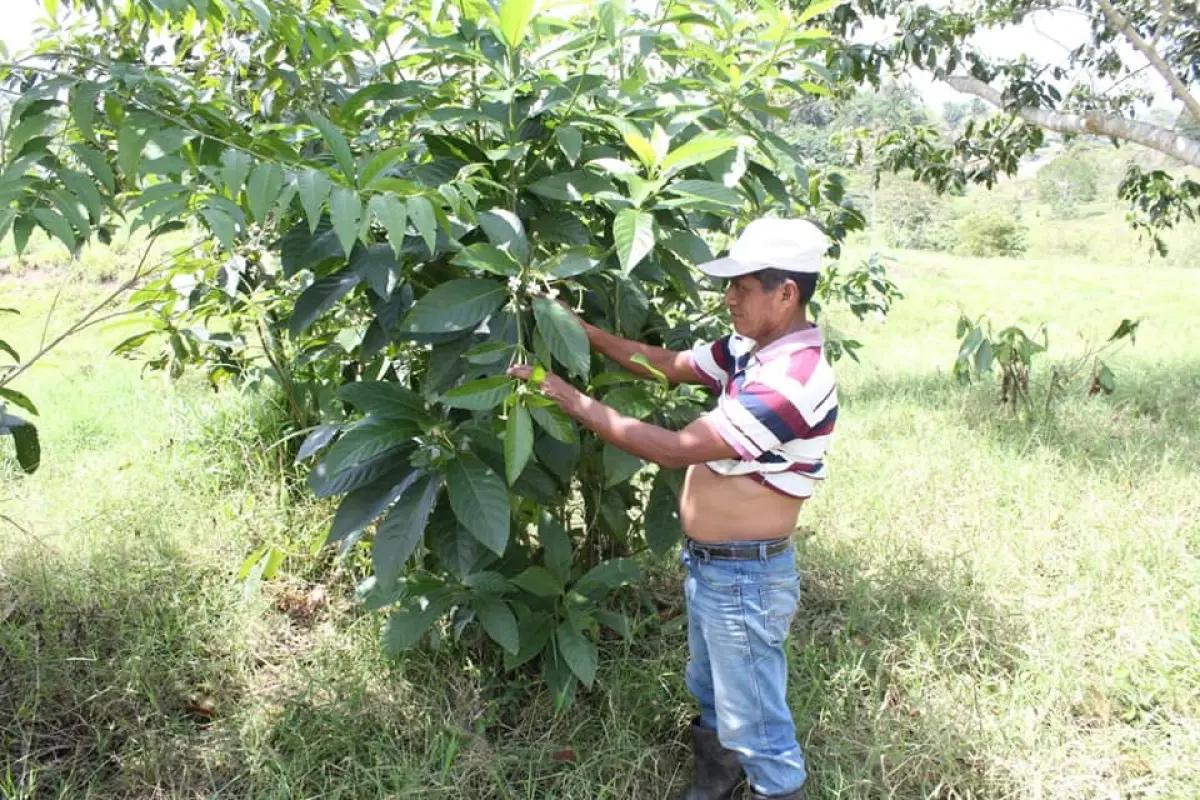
(791, 290)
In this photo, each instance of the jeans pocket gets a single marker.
(779, 603)
(718, 576)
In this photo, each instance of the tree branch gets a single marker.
(1157, 138)
(1126, 29)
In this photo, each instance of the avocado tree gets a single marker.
(386, 201)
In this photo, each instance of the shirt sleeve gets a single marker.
(712, 362)
(756, 420)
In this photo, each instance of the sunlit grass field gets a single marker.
(994, 606)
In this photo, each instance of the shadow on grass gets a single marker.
(1154, 411)
(111, 668)
(136, 674)
(877, 651)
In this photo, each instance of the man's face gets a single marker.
(756, 310)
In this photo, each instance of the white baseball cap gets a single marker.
(794, 245)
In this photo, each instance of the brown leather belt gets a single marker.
(750, 551)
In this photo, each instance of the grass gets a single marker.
(992, 608)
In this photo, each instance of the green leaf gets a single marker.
(221, 224)
(378, 164)
(514, 21)
(457, 305)
(612, 18)
(325, 482)
(22, 229)
(609, 575)
(816, 9)
(82, 102)
(697, 150)
(487, 582)
(711, 191)
(504, 229)
(535, 631)
(497, 619)
(518, 443)
(556, 423)
(320, 436)
(631, 401)
(571, 187)
(572, 262)
(56, 225)
(18, 398)
(570, 141)
(97, 165)
(690, 248)
(633, 233)
(420, 211)
(405, 628)
(479, 395)
(266, 182)
(25, 437)
(385, 400)
(8, 348)
(345, 208)
(360, 507)
(377, 265)
(488, 258)
(538, 581)
(563, 335)
(619, 466)
(318, 298)
(336, 143)
(235, 166)
(557, 553)
(1106, 379)
(392, 214)
(663, 528)
(661, 143)
(404, 526)
(618, 623)
(366, 440)
(635, 140)
(314, 188)
(480, 501)
(578, 651)
(85, 190)
(26, 130)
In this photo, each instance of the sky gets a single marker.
(1045, 37)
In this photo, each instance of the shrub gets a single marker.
(992, 233)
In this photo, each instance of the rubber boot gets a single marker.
(719, 773)
(796, 795)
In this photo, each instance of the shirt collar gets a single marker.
(796, 340)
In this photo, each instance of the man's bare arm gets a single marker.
(695, 444)
(676, 366)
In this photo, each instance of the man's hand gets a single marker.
(569, 398)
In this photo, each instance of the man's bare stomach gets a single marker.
(723, 508)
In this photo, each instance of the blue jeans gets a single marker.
(739, 613)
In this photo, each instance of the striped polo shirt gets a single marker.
(777, 407)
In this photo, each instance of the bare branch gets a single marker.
(1162, 22)
(90, 318)
(1123, 26)
(1165, 141)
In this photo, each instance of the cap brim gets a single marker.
(728, 268)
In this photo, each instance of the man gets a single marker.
(751, 463)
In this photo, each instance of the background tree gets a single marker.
(1094, 94)
(1066, 182)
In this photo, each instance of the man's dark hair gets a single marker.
(771, 279)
